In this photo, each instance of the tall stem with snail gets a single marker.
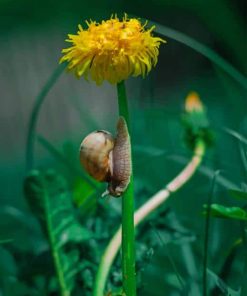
(128, 235)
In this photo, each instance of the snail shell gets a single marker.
(96, 155)
(108, 159)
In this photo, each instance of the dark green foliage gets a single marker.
(50, 200)
(238, 194)
(220, 211)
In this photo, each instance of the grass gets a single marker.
(38, 102)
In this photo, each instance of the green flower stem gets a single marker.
(128, 230)
(127, 236)
(152, 204)
(106, 263)
(155, 201)
(128, 242)
(123, 108)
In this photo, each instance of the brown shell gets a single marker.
(122, 166)
(96, 155)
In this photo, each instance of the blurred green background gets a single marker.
(32, 34)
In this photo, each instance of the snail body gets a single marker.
(108, 159)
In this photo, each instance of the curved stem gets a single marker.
(35, 112)
(156, 200)
(106, 263)
(152, 204)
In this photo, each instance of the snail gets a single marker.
(108, 159)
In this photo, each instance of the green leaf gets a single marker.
(27, 236)
(238, 194)
(74, 233)
(8, 265)
(83, 193)
(6, 241)
(49, 198)
(220, 211)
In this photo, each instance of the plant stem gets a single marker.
(35, 113)
(123, 108)
(128, 230)
(106, 263)
(128, 242)
(152, 204)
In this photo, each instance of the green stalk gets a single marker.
(128, 230)
(35, 113)
(106, 263)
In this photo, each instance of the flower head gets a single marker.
(195, 121)
(112, 50)
(193, 103)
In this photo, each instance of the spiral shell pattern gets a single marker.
(96, 155)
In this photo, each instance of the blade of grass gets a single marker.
(227, 265)
(236, 135)
(202, 49)
(243, 154)
(6, 241)
(173, 264)
(206, 237)
(35, 113)
(223, 287)
(188, 255)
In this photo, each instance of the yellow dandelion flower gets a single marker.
(112, 50)
(193, 103)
